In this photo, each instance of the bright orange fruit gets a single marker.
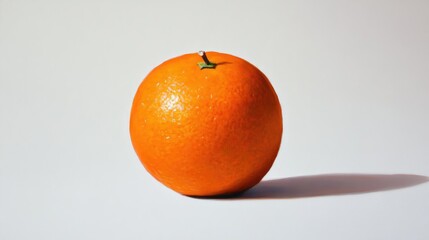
(210, 131)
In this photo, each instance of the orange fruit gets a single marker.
(206, 129)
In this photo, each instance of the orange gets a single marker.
(206, 132)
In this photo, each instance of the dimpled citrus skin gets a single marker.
(206, 132)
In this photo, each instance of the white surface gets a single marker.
(352, 77)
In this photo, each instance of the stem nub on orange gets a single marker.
(206, 128)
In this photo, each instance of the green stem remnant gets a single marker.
(206, 63)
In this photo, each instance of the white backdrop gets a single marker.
(352, 78)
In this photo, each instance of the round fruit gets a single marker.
(206, 128)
